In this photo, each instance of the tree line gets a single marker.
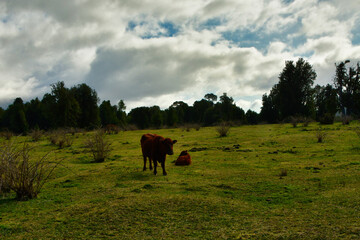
(293, 96)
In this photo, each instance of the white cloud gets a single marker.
(89, 41)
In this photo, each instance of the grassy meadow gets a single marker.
(259, 182)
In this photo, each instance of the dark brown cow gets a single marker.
(155, 148)
(183, 159)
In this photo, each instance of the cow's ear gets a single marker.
(175, 141)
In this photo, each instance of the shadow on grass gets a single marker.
(7, 200)
(140, 176)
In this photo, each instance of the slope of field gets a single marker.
(260, 182)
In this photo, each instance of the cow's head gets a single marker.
(168, 144)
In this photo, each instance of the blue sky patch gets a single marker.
(170, 29)
(356, 33)
(211, 24)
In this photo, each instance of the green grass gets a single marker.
(232, 190)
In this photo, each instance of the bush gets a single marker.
(283, 173)
(306, 122)
(7, 134)
(112, 129)
(98, 145)
(223, 129)
(320, 135)
(61, 138)
(294, 121)
(346, 120)
(24, 176)
(36, 135)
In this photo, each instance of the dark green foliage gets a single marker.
(121, 114)
(14, 117)
(67, 109)
(88, 103)
(108, 113)
(252, 117)
(140, 117)
(269, 110)
(326, 103)
(210, 97)
(293, 94)
(347, 83)
(34, 114)
(199, 109)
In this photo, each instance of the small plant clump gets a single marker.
(223, 129)
(61, 138)
(36, 134)
(98, 146)
(20, 173)
(320, 135)
(294, 121)
(7, 134)
(283, 173)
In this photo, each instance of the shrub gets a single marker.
(7, 134)
(112, 129)
(223, 129)
(61, 138)
(197, 126)
(306, 121)
(283, 173)
(98, 146)
(4, 185)
(294, 121)
(320, 135)
(36, 135)
(346, 120)
(21, 174)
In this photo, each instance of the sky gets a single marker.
(158, 52)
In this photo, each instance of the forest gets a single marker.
(294, 96)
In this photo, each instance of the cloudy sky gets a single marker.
(157, 52)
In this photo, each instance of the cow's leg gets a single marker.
(145, 163)
(150, 163)
(155, 166)
(163, 168)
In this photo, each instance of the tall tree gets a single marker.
(67, 108)
(269, 111)
(326, 102)
(88, 102)
(199, 109)
(294, 93)
(210, 97)
(347, 83)
(121, 114)
(140, 116)
(252, 117)
(34, 114)
(14, 117)
(108, 113)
